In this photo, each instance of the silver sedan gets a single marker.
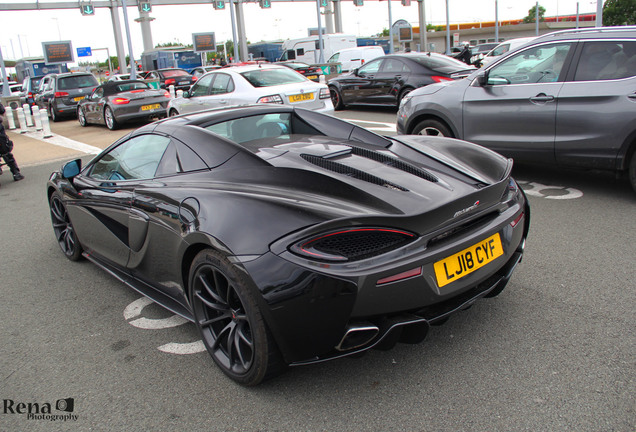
(242, 85)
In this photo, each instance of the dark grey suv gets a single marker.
(60, 93)
(566, 98)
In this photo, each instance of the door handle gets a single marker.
(541, 98)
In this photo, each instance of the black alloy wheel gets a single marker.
(63, 229)
(52, 114)
(336, 98)
(81, 116)
(229, 321)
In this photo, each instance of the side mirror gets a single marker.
(355, 71)
(186, 94)
(482, 78)
(71, 169)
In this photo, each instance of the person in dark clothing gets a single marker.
(465, 55)
(6, 146)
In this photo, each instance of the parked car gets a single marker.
(29, 89)
(291, 237)
(568, 98)
(387, 79)
(480, 51)
(119, 77)
(60, 93)
(310, 72)
(117, 102)
(179, 78)
(202, 70)
(504, 47)
(351, 58)
(261, 83)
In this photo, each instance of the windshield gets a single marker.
(174, 73)
(132, 86)
(272, 77)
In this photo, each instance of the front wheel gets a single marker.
(63, 229)
(229, 320)
(336, 98)
(432, 128)
(109, 119)
(173, 113)
(632, 171)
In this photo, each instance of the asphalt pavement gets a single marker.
(554, 352)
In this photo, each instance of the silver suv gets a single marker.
(566, 98)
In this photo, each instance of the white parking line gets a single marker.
(61, 141)
(369, 124)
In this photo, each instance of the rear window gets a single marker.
(174, 73)
(272, 77)
(132, 86)
(436, 63)
(79, 81)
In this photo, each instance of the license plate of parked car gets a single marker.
(150, 107)
(79, 98)
(467, 261)
(301, 97)
(312, 77)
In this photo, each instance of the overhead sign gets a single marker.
(84, 52)
(87, 9)
(145, 6)
(59, 52)
(204, 42)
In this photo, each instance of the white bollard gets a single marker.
(9, 114)
(171, 90)
(22, 121)
(27, 114)
(46, 127)
(322, 79)
(179, 93)
(37, 116)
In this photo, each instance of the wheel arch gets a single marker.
(414, 121)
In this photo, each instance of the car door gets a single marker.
(102, 213)
(90, 106)
(596, 113)
(389, 80)
(515, 112)
(359, 85)
(44, 92)
(197, 95)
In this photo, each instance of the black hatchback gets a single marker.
(386, 80)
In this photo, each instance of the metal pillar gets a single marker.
(390, 29)
(146, 34)
(240, 22)
(448, 44)
(133, 71)
(321, 56)
(599, 13)
(337, 13)
(423, 32)
(329, 18)
(496, 21)
(235, 56)
(119, 43)
(5, 86)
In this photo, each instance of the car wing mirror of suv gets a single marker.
(482, 78)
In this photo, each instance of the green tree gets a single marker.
(619, 12)
(384, 33)
(532, 14)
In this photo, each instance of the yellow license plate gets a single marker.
(301, 97)
(312, 77)
(467, 261)
(150, 107)
(79, 98)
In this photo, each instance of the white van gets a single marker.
(352, 58)
(308, 50)
(504, 47)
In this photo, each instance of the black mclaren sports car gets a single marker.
(292, 237)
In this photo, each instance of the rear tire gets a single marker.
(109, 119)
(230, 322)
(53, 114)
(632, 171)
(431, 127)
(173, 113)
(336, 99)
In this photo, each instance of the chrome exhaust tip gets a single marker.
(357, 336)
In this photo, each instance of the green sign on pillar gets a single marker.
(145, 6)
(265, 4)
(219, 4)
(323, 3)
(87, 9)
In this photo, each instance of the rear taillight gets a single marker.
(138, 91)
(194, 79)
(60, 94)
(120, 101)
(170, 81)
(324, 93)
(271, 99)
(167, 94)
(437, 78)
(352, 244)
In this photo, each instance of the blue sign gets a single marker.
(84, 52)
